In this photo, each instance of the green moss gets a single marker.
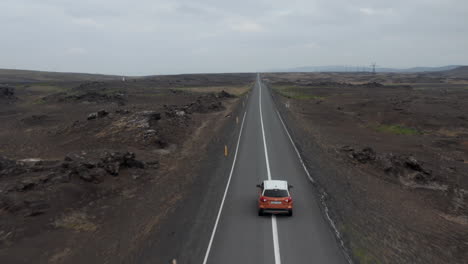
(364, 257)
(46, 88)
(37, 101)
(358, 250)
(397, 129)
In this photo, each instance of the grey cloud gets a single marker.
(159, 37)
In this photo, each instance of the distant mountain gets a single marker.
(363, 69)
(14, 76)
(459, 72)
(419, 69)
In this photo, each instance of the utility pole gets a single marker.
(373, 65)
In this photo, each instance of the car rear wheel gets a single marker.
(290, 213)
(260, 212)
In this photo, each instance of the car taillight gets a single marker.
(288, 200)
(263, 199)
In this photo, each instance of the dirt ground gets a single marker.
(394, 155)
(79, 159)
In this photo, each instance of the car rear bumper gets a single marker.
(273, 207)
(276, 210)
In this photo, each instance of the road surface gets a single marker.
(239, 234)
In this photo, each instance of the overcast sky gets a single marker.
(140, 37)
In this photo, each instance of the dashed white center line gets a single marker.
(274, 225)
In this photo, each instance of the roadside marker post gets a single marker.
(205, 260)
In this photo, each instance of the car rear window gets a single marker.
(275, 193)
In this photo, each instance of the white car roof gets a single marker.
(275, 184)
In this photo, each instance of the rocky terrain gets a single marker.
(80, 158)
(7, 94)
(393, 152)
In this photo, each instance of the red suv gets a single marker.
(275, 198)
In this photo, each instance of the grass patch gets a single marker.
(234, 90)
(38, 101)
(296, 92)
(358, 250)
(451, 132)
(397, 129)
(45, 88)
(363, 256)
(76, 221)
(306, 96)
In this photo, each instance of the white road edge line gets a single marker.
(330, 220)
(295, 148)
(205, 260)
(274, 225)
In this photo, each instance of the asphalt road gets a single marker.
(240, 235)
